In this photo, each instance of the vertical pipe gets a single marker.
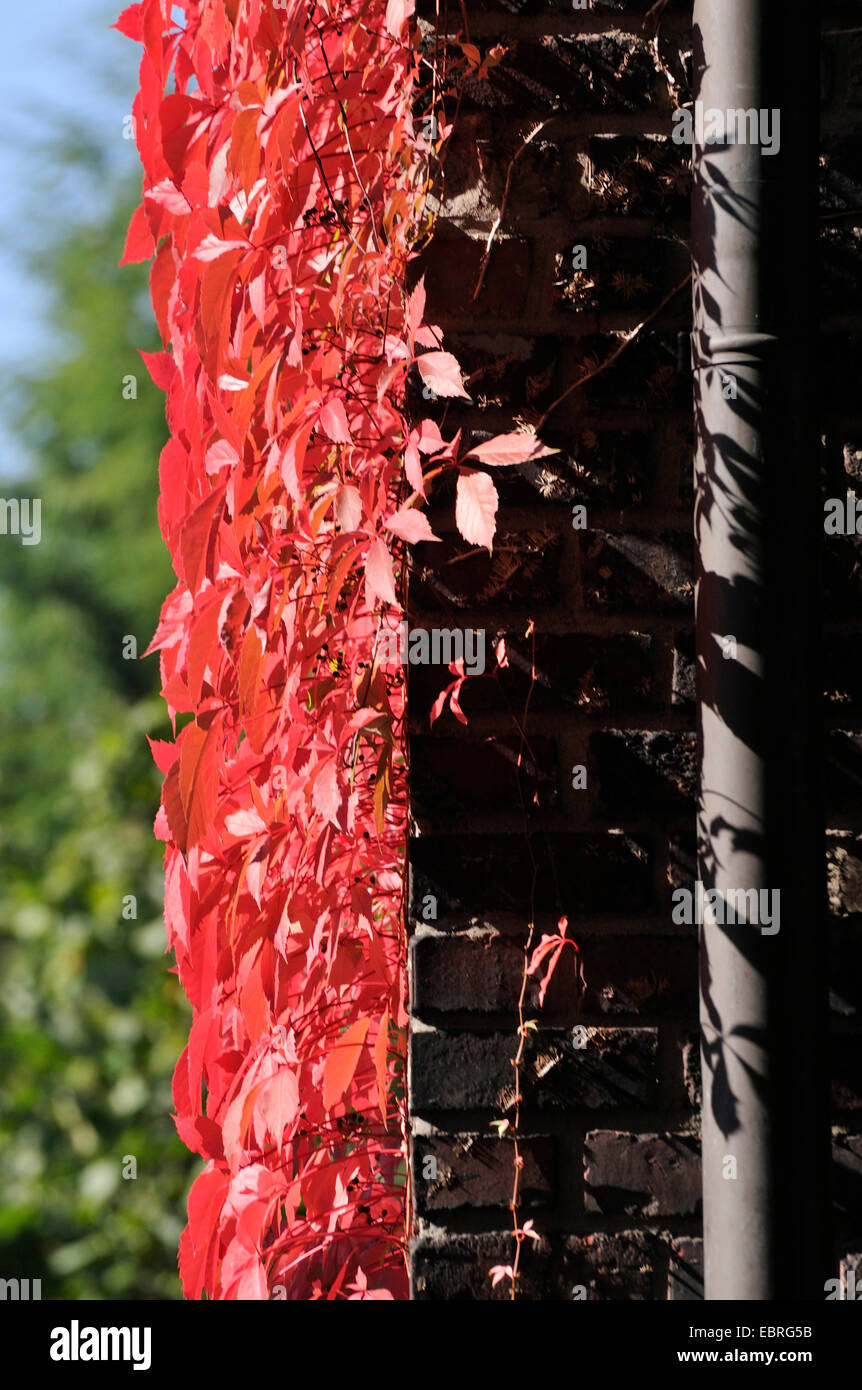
(758, 529)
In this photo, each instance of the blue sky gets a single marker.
(65, 70)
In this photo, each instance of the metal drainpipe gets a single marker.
(758, 529)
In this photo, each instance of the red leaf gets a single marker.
(131, 23)
(348, 509)
(506, 449)
(380, 1059)
(476, 508)
(441, 372)
(278, 1102)
(411, 526)
(379, 573)
(342, 1062)
(333, 420)
(198, 783)
(326, 794)
(196, 536)
(140, 243)
(397, 14)
(161, 367)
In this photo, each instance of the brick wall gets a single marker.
(611, 1077)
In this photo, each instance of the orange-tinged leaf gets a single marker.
(342, 1062)
(196, 537)
(198, 777)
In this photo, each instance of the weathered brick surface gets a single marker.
(616, 1067)
(642, 1174)
(627, 976)
(596, 611)
(472, 1170)
(605, 1267)
(590, 873)
(685, 1271)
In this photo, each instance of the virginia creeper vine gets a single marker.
(284, 194)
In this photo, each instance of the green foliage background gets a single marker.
(91, 1020)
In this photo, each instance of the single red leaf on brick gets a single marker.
(441, 372)
(476, 508)
(504, 450)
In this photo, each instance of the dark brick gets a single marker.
(611, 1267)
(455, 777)
(640, 176)
(631, 573)
(524, 569)
(652, 773)
(837, 384)
(847, 1181)
(456, 1268)
(691, 1070)
(617, 275)
(845, 973)
(842, 675)
(581, 73)
(642, 1174)
(643, 377)
(844, 776)
(844, 875)
(684, 670)
(459, 1071)
(846, 1072)
(840, 173)
(598, 1267)
(468, 1071)
(845, 63)
(575, 672)
(841, 270)
(682, 866)
(475, 1171)
(504, 370)
(574, 873)
(452, 264)
(611, 468)
(638, 974)
(685, 1271)
(480, 973)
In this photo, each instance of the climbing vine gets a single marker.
(285, 182)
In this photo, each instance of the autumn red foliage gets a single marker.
(284, 191)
